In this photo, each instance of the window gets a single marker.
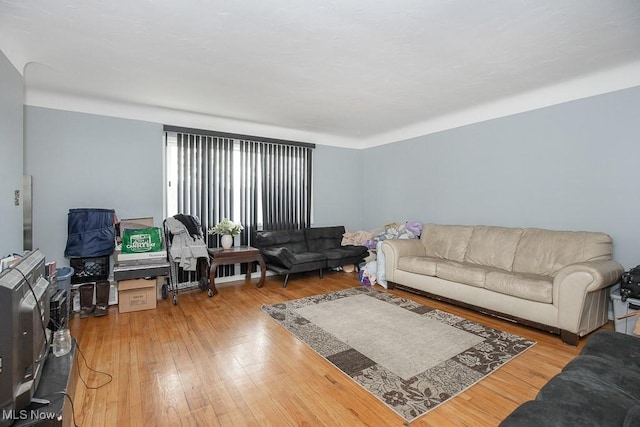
(261, 183)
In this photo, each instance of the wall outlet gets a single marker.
(16, 197)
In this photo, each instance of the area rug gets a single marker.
(410, 356)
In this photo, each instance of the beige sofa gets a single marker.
(553, 280)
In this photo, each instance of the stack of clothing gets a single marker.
(187, 243)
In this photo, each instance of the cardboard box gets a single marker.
(157, 256)
(135, 223)
(136, 295)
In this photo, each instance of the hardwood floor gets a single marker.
(222, 361)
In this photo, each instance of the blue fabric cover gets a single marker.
(91, 233)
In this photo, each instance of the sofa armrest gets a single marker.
(393, 249)
(278, 256)
(603, 273)
(573, 283)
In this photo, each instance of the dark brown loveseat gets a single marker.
(308, 249)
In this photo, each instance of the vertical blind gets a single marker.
(286, 178)
(204, 177)
(261, 183)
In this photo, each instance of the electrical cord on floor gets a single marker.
(73, 409)
(91, 369)
(65, 394)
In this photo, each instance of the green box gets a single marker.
(142, 240)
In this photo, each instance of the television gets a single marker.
(24, 340)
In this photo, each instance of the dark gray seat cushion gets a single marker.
(547, 414)
(608, 371)
(600, 387)
(345, 255)
(606, 405)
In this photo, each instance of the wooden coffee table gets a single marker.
(235, 255)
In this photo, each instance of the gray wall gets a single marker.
(572, 166)
(11, 159)
(88, 161)
(337, 198)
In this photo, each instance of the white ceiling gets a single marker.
(352, 73)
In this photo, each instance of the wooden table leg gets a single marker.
(247, 276)
(212, 278)
(263, 271)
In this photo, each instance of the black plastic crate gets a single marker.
(89, 269)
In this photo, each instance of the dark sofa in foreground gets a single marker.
(600, 387)
(308, 249)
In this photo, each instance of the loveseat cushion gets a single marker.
(322, 238)
(547, 414)
(446, 241)
(345, 252)
(558, 414)
(600, 387)
(547, 251)
(493, 246)
(627, 349)
(527, 286)
(293, 240)
(632, 418)
(286, 258)
(345, 255)
(604, 404)
(614, 373)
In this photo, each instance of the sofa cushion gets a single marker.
(293, 240)
(466, 273)
(526, 286)
(446, 241)
(615, 373)
(604, 404)
(632, 417)
(627, 349)
(547, 251)
(286, 258)
(547, 414)
(323, 238)
(493, 246)
(418, 264)
(600, 387)
(345, 252)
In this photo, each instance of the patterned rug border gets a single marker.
(416, 396)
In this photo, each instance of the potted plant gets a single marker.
(227, 229)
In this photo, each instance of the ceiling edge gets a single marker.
(609, 80)
(174, 117)
(598, 83)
